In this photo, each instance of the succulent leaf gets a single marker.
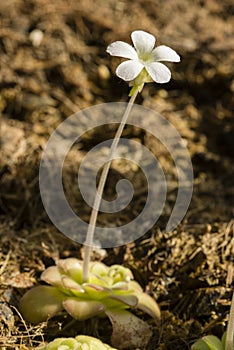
(108, 291)
(121, 286)
(200, 345)
(104, 281)
(82, 310)
(93, 343)
(119, 273)
(81, 342)
(52, 276)
(133, 285)
(147, 304)
(213, 342)
(71, 267)
(96, 292)
(69, 283)
(209, 342)
(41, 303)
(130, 300)
(97, 268)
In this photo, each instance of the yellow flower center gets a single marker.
(145, 57)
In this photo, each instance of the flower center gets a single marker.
(145, 57)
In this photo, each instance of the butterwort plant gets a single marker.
(211, 342)
(81, 342)
(84, 288)
(109, 291)
(143, 66)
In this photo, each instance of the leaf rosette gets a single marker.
(109, 291)
(81, 342)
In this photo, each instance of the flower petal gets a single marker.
(129, 70)
(158, 72)
(165, 53)
(122, 49)
(143, 42)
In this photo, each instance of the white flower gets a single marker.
(144, 64)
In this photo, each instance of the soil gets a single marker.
(53, 64)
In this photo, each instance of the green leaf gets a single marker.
(200, 345)
(99, 269)
(52, 276)
(130, 300)
(209, 342)
(41, 303)
(96, 292)
(94, 343)
(71, 267)
(133, 285)
(80, 342)
(213, 342)
(69, 283)
(82, 310)
(223, 340)
(147, 304)
(103, 281)
(63, 344)
(120, 286)
(119, 273)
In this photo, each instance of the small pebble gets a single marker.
(103, 72)
(36, 37)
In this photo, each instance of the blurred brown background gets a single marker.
(54, 63)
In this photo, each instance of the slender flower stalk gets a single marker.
(101, 185)
(230, 328)
(144, 66)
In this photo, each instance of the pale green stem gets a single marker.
(230, 327)
(101, 185)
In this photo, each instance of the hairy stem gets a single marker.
(101, 185)
(230, 327)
